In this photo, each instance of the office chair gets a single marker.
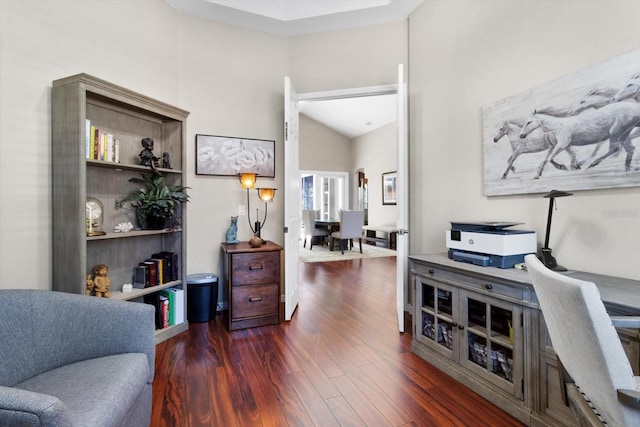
(599, 383)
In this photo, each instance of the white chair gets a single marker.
(585, 340)
(310, 230)
(351, 223)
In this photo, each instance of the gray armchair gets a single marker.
(589, 349)
(73, 360)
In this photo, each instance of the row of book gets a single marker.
(101, 145)
(169, 304)
(159, 269)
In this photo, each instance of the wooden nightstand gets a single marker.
(252, 276)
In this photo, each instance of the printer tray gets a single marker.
(486, 260)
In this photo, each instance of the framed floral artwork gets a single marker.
(229, 156)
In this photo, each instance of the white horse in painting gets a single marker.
(631, 90)
(613, 122)
(535, 142)
(595, 98)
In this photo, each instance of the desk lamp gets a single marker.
(248, 181)
(545, 252)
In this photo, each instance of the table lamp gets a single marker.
(545, 252)
(248, 181)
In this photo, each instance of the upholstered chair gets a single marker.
(351, 223)
(600, 384)
(310, 230)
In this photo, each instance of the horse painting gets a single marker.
(583, 133)
(613, 122)
(535, 142)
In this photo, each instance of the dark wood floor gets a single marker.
(339, 362)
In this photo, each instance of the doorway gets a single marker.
(293, 187)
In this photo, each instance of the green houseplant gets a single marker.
(156, 202)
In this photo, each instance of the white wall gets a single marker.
(376, 152)
(231, 80)
(465, 54)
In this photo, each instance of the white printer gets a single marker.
(489, 243)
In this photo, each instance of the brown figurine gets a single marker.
(90, 285)
(147, 158)
(101, 282)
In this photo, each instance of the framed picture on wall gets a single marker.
(389, 188)
(229, 156)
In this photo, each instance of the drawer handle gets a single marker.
(432, 271)
(488, 286)
(255, 299)
(255, 267)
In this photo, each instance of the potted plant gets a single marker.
(156, 202)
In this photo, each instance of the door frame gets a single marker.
(399, 89)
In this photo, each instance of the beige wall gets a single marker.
(230, 79)
(323, 149)
(465, 54)
(345, 59)
(376, 153)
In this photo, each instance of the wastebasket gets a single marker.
(202, 297)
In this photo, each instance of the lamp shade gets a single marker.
(248, 180)
(266, 194)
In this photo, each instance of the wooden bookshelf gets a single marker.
(130, 117)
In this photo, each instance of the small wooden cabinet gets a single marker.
(252, 277)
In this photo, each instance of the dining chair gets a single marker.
(310, 231)
(599, 384)
(351, 223)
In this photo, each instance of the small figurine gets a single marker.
(147, 158)
(101, 281)
(232, 232)
(165, 160)
(90, 285)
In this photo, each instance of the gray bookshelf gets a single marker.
(129, 116)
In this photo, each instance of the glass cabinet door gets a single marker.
(493, 337)
(437, 311)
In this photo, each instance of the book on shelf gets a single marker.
(141, 276)
(161, 273)
(164, 311)
(170, 272)
(176, 305)
(92, 142)
(88, 138)
(101, 145)
(153, 271)
(161, 305)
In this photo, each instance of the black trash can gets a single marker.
(202, 297)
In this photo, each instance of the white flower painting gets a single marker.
(223, 155)
(576, 133)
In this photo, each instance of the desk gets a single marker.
(449, 294)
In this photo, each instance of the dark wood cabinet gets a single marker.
(252, 277)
